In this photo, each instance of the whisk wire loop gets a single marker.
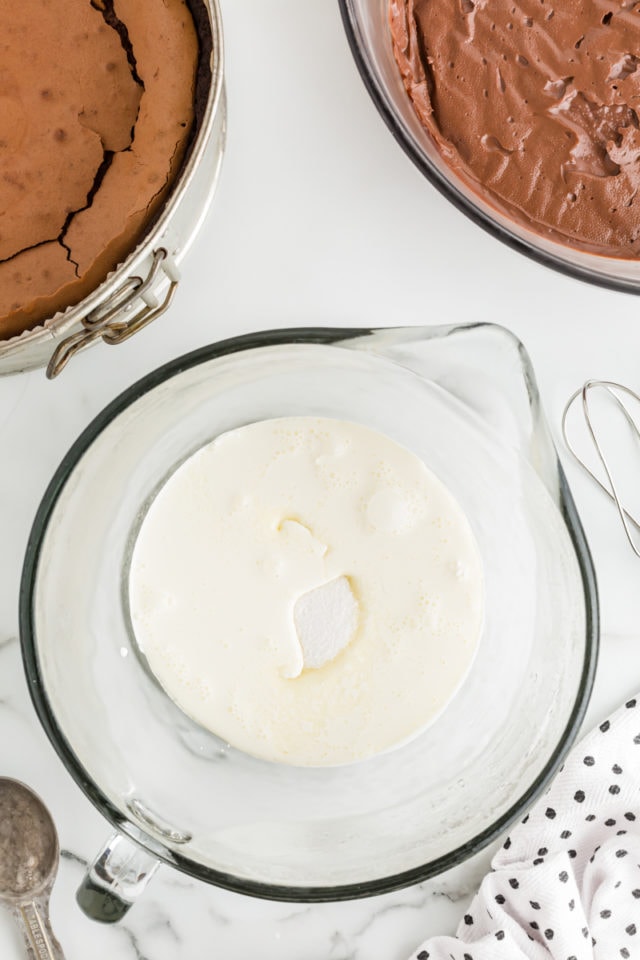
(610, 488)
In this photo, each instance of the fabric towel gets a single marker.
(566, 884)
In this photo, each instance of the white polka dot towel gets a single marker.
(566, 884)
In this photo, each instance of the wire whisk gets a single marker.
(618, 393)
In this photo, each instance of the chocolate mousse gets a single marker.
(96, 112)
(534, 103)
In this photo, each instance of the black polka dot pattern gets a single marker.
(566, 881)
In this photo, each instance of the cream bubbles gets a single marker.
(307, 590)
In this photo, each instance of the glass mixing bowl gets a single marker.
(464, 400)
(367, 27)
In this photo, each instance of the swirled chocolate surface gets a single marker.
(536, 103)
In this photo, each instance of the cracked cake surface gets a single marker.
(96, 110)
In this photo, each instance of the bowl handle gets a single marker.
(115, 880)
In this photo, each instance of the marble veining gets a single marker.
(73, 857)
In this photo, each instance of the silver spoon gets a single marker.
(29, 855)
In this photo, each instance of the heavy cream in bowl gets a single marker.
(307, 590)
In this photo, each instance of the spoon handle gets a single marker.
(36, 927)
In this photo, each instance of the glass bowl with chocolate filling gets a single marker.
(524, 115)
(111, 136)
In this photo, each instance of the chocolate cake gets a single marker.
(96, 112)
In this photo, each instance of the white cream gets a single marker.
(308, 590)
(326, 620)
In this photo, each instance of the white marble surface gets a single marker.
(319, 219)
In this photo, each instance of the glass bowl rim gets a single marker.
(444, 186)
(45, 713)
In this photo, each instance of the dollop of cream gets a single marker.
(307, 590)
